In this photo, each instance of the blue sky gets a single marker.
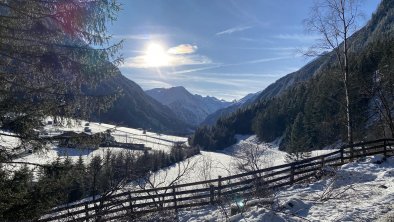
(221, 48)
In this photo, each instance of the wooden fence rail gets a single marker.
(129, 204)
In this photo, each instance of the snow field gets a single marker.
(211, 165)
(360, 191)
(121, 134)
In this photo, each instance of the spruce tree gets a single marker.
(296, 146)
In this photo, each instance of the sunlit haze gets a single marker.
(156, 56)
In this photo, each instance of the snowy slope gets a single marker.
(211, 165)
(360, 191)
(121, 134)
(206, 166)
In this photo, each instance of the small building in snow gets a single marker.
(83, 140)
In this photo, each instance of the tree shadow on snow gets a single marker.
(72, 152)
(345, 178)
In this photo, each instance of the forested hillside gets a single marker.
(271, 91)
(310, 113)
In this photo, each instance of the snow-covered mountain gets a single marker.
(192, 109)
(243, 102)
(247, 99)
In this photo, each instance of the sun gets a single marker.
(156, 56)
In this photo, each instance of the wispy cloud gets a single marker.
(297, 37)
(190, 60)
(196, 69)
(279, 51)
(218, 80)
(179, 55)
(182, 49)
(248, 39)
(173, 61)
(150, 84)
(234, 29)
(256, 61)
(263, 60)
(240, 75)
(271, 48)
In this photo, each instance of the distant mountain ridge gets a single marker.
(243, 102)
(133, 108)
(192, 109)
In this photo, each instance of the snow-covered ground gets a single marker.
(8, 142)
(211, 165)
(121, 134)
(364, 178)
(207, 165)
(360, 191)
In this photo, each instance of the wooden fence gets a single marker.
(137, 202)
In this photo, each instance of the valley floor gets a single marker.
(210, 165)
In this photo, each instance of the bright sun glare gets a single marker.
(156, 55)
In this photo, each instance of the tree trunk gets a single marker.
(386, 111)
(346, 80)
(348, 114)
(390, 122)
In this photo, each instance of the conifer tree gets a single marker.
(50, 51)
(296, 146)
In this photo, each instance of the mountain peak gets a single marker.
(178, 87)
(192, 109)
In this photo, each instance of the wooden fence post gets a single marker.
(385, 148)
(322, 163)
(219, 187)
(174, 198)
(212, 192)
(364, 150)
(87, 211)
(342, 159)
(163, 197)
(130, 203)
(351, 152)
(292, 172)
